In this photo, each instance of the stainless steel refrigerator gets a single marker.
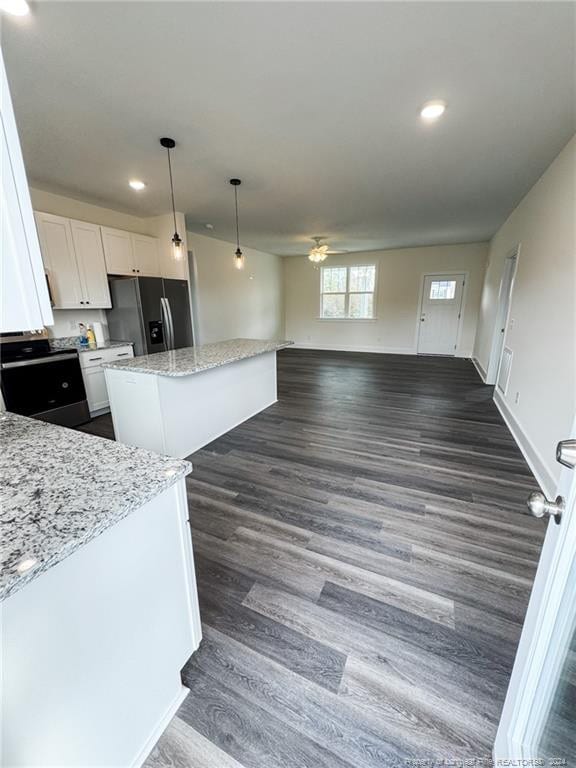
(153, 312)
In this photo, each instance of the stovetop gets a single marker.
(30, 350)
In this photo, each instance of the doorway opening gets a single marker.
(504, 300)
(440, 313)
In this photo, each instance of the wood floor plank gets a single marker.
(251, 735)
(435, 726)
(400, 593)
(476, 591)
(180, 746)
(307, 708)
(496, 662)
(302, 655)
(432, 673)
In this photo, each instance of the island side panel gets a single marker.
(92, 649)
(199, 408)
(135, 408)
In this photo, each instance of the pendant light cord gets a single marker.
(237, 227)
(172, 190)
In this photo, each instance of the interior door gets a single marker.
(504, 299)
(176, 293)
(91, 265)
(440, 314)
(539, 717)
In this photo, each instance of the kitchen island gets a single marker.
(99, 601)
(176, 402)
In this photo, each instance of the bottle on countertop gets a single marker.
(91, 337)
(83, 335)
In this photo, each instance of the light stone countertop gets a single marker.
(74, 342)
(191, 360)
(59, 489)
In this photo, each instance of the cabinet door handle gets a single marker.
(123, 354)
(94, 358)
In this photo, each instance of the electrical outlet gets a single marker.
(517, 398)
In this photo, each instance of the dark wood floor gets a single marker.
(364, 566)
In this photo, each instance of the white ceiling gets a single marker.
(313, 105)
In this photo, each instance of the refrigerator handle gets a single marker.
(170, 323)
(165, 324)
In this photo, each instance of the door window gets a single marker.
(442, 289)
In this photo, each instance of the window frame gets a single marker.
(347, 293)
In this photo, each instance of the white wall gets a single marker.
(542, 329)
(233, 303)
(399, 280)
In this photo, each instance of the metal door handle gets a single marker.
(566, 453)
(539, 506)
(167, 322)
(170, 323)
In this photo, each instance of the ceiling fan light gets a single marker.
(318, 252)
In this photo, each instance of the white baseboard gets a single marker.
(481, 371)
(545, 478)
(160, 727)
(374, 350)
(355, 348)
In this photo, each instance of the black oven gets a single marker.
(44, 383)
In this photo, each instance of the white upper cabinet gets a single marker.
(127, 253)
(146, 255)
(24, 297)
(118, 251)
(174, 269)
(59, 260)
(74, 261)
(87, 241)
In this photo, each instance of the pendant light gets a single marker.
(177, 248)
(238, 255)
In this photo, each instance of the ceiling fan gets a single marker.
(320, 250)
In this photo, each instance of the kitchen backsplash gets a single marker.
(66, 321)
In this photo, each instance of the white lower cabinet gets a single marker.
(93, 374)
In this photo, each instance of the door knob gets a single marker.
(566, 453)
(539, 506)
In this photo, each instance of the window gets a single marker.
(442, 289)
(347, 292)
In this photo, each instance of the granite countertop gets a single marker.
(74, 341)
(190, 360)
(60, 489)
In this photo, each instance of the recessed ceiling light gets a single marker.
(15, 7)
(137, 184)
(432, 110)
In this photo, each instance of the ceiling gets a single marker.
(313, 105)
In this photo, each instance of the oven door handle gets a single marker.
(40, 360)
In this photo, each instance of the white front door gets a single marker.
(440, 314)
(538, 720)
